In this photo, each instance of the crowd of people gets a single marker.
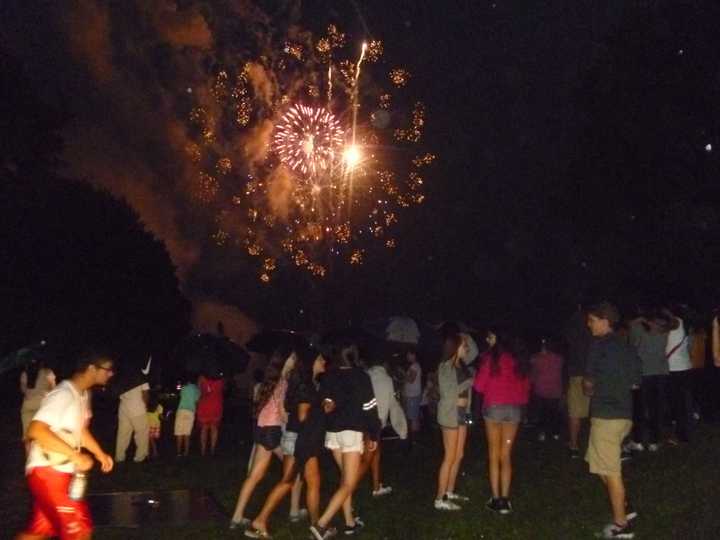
(634, 380)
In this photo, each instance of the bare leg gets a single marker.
(203, 438)
(278, 493)
(457, 458)
(295, 495)
(375, 467)
(347, 504)
(616, 492)
(186, 444)
(350, 469)
(574, 428)
(312, 491)
(178, 444)
(450, 439)
(494, 438)
(257, 472)
(508, 432)
(214, 432)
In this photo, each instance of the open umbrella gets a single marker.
(22, 357)
(208, 353)
(267, 341)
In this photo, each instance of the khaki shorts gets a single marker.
(578, 403)
(604, 447)
(184, 421)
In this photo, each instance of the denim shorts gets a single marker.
(506, 414)
(287, 443)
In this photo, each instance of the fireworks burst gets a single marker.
(307, 139)
(342, 160)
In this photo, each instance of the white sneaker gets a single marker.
(302, 514)
(441, 504)
(653, 447)
(541, 437)
(382, 490)
(455, 497)
(633, 446)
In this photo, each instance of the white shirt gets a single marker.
(414, 389)
(132, 403)
(680, 359)
(64, 409)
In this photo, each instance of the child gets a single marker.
(185, 417)
(154, 416)
(546, 380)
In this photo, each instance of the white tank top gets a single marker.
(680, 359)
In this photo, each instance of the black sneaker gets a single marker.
(355, 529)
(613, 530)
(505, 506)
(494, 504)
(574, 453)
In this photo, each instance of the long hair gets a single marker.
(301, 376)
(271, 376)
(512, 346)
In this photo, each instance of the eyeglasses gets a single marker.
(108, 369)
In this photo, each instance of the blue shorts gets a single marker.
(412, 407)
(505, 414)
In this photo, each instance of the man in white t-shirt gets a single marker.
(57, 433)
(132, 418)
(412, 392)
(677, 353)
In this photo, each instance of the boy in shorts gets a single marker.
(185, 417)
(612, 370)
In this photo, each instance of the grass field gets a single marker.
(675, 491)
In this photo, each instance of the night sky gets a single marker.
(577, 147)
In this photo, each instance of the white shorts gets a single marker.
(345, 441)
(184, 421)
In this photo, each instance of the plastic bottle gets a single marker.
(78, 484)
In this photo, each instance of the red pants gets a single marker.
(54, 512)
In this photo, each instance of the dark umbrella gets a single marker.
(23, 357)
(267, 341)
(210, 354)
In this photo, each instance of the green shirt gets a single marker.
(614, 368)
(189, 396)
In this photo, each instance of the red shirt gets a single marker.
(504, 387)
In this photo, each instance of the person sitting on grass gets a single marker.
(503, 381)
(185, 417)
(612, 370)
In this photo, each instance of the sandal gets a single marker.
(257, 533)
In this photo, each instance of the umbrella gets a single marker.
(267, 341)
(22, 357)
(402, 330)
(208, 353)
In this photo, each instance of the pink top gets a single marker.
(504, 387)
(210, 404)
(273, 412)
(546, 375)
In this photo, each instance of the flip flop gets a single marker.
(257, 533)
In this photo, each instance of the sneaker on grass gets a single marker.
(613, 530)
(446, 505)
(382, 490)
(302, 514)
(451, 496)
(574, 453)
(242, 524)
(494, 504)
(355, 529)
(653, 447)
(505, 506)
(322, 533)
(633, 446)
